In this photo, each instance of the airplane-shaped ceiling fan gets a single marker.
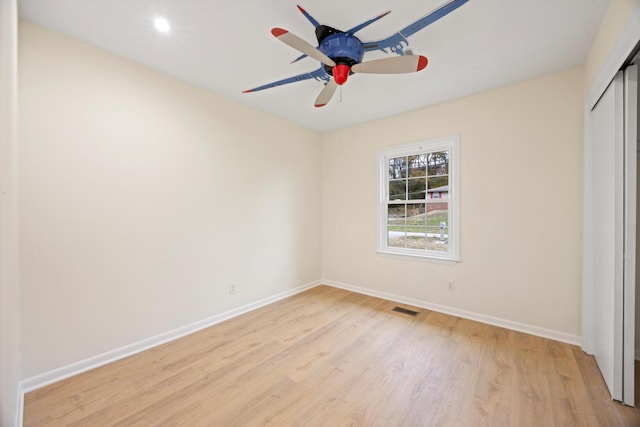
(340, 52)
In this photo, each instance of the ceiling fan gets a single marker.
(340, 52)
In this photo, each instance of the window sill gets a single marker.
(424, 258)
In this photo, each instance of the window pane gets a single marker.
(396, 215)
(438, 181)
(438, 187)
(396, 238)
(397, 167)
(438, 212)
(438, 226)
(398, 190)
(417, 165)
(417, 189)
(438, 163)
(435, 244)
(416, 241)
(416, 218)
(396, 228)
(416, 226)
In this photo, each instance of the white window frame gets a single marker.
(450, 143)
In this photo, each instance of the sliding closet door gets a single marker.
(630, 215)
(607, 126)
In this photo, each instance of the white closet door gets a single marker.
(607, 127)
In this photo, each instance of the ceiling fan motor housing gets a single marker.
(345, 49)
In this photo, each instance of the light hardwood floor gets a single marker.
(329, 357)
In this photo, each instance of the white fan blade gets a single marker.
(326, 94)
(300, 45)
(394, 65)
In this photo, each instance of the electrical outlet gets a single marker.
(232, 289)
(451, 288)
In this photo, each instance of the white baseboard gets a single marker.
(46, 378)
(483, 318)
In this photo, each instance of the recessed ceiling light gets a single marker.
(162, 25)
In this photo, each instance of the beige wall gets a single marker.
(614, 21)
(521, 204)
(143, 198)
(9, 250)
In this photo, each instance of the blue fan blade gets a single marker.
(319, 74)
(394, 42)
(304, 55)
(364, 24)
(309, 17)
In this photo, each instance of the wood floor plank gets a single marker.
(332, 357)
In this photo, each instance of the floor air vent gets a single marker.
(405, 311)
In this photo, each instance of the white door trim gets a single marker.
(630, 212)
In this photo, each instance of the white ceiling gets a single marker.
(226, 46)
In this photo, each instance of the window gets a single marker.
(419, 199)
